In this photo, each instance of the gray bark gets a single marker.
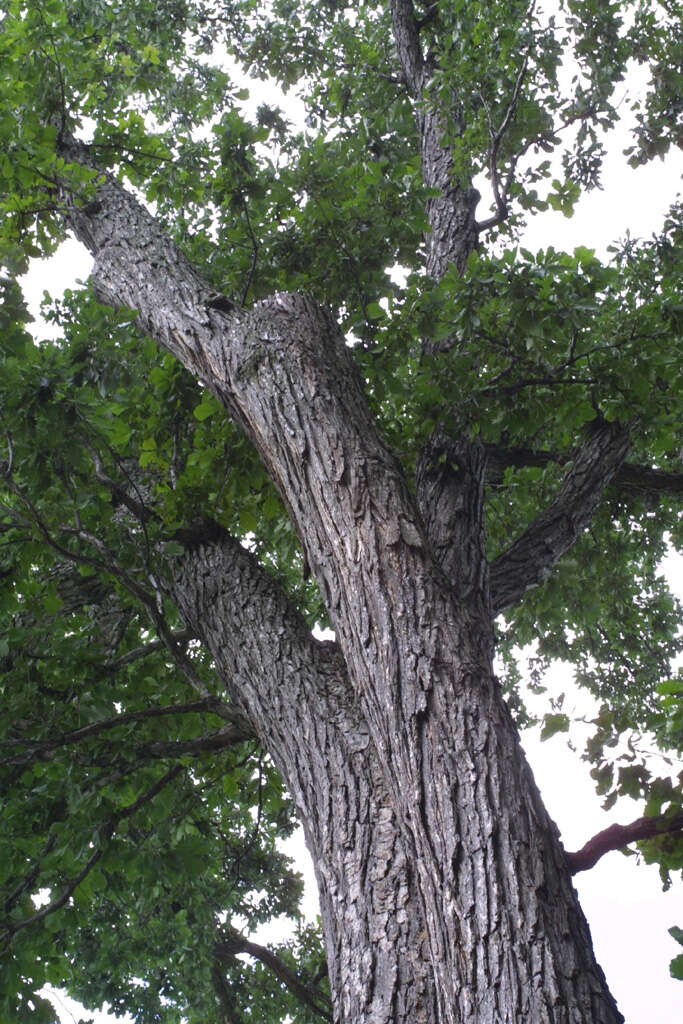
(629, 479)
(532, 556)
(296, 693)
(506, 938)
(450, 491)
(451, 210)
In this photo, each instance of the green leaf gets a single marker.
(249, 522)
(173, 549)
(554, 723)
(204, 410)
(670, 687)
(676, 967)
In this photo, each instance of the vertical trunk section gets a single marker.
(451, 208)
(507, 939)
(451, 213)
(296, 693)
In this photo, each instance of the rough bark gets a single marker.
(533, 555)
(296, 692)
(451, 212)
(450, 491)
(507, 940)
(629, 478)
(452, 204)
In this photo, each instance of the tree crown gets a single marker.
(116, 462)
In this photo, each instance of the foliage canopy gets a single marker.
(156, 841)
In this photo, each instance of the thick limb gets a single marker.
(533, 555)
(506, 936)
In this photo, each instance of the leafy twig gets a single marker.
(34, 748)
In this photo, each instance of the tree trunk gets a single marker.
(296, 693)
(450, 800)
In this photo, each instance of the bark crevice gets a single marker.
(428, 726)
(296, 692)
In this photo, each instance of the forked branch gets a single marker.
(630, 478)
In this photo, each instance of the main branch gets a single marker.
(296, 691)
(534, 554)
(439, 748)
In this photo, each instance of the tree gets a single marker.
(245, 428)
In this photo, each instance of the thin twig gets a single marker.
(254, 256)
(9, 466)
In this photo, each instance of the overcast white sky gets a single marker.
(626, 909)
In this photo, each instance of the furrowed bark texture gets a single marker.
(296, 692)
(450, 491)
(529, 561)
(451, 208)
(507, 940)
(451, 213)
(450, 482)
